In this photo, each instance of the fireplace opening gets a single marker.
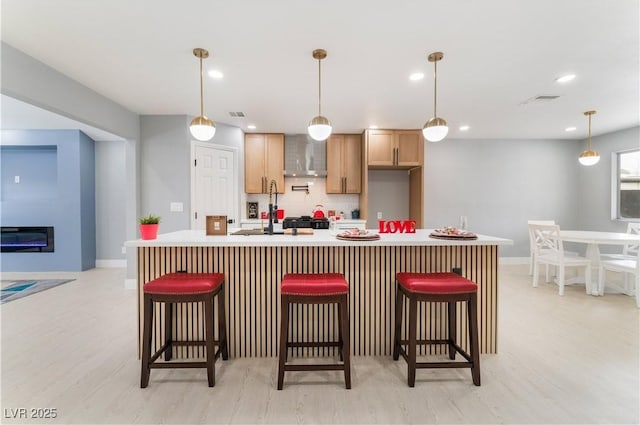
(27, 239)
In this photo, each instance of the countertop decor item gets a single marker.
(452, 233)
(149, 226)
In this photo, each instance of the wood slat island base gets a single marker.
(254, 267)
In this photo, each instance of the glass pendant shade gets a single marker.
(589, 157)
(202, 128)
(319, 128)
(435, 129)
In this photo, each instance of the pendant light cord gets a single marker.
(201, 91)
(589, 131)
(319, 88)
(435, 88)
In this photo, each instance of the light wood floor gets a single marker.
(571, 359)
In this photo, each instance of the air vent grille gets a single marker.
(543, 98)
(237, 114)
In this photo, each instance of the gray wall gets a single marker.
(165, 166)
(499, 185)
(111, 200)
(595, 182)
(388, 194)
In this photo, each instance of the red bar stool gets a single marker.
(324, 288)
(443, 288)
(184, 288)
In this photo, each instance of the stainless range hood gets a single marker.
(304, 157)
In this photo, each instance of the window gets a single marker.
(626, 185)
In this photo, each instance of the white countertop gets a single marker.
(319, 238)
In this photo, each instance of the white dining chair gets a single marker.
(532, 242)
(549, 250)
(627, 263)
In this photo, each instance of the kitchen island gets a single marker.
(254, 265)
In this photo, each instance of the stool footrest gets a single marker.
(308, 367)
(458, 349)
(314, 344)
(172, 365)
(443, 365)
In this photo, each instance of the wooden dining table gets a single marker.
(594, 239)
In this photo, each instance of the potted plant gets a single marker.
(149, 226)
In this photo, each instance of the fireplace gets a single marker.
(27, 239)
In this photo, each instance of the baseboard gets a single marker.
(130, 284)
(110, 264)
(513, 260)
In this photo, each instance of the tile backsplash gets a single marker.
(297, 203)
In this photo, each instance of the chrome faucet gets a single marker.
(273, 208)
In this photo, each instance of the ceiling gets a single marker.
(497, 55)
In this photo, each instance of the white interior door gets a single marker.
(214, 182)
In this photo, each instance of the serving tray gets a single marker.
(355, 235)
(454, 234)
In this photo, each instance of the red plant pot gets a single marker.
(149, 231)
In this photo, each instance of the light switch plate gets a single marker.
(176, 207)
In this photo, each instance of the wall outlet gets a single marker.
(124, 249)
(176, 207)
(16, 179)
(379, 215)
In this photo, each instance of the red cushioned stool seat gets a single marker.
(184, 283)
(175, 288)
(449, 288)
(314, 284)
(436, 283)
(314, 288)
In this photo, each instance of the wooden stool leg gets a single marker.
(222, 325)
(284, 334)
(146, 341)
(413, 324)
(209, 341)
(168, 330)
(472, 307)
(398, 324)
(452, 332)
(340, 334)
(346, 349)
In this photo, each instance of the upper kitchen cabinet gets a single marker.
(394, 148)
(263, 162)
(344, 163)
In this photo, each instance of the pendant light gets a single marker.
(201, 127)
(589, 157)
(436, 128)
(319, 127)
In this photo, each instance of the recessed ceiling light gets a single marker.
(373, 127)
(464, 128)
(214, 73)
(251, 127)
(416, 76)
(570, 129)
(565, 78)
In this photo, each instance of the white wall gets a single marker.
(111, 181)
(389, 194)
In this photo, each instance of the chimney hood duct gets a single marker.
(304, 157)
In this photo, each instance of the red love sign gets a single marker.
(397, 226)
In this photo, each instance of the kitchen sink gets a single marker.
(249, 232)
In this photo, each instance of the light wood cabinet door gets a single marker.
(352, 163)
(274, 166)
(409, 144)
(394, 148)
(344, 163)
(380, 147)
(263, 162)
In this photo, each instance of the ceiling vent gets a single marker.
(237, 114)
(543, 98)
